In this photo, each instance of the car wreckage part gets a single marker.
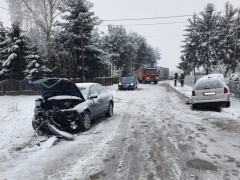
(64, 121)
(63, 134)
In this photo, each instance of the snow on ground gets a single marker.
(146, 124)
(16, 114)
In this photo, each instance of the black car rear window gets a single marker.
(209, 84)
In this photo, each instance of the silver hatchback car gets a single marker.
(210, 90)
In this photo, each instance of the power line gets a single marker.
(150, 18)
(148, 24)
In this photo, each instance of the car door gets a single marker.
(104, 98)
(96, 101)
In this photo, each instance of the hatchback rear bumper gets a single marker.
(225, 99)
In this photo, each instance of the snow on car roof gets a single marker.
(84, 85)
(213, 76)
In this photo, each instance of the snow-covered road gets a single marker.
(152, 135)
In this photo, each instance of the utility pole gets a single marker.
(236, 39)
(82, 57)
(208, 54)
(194, 51)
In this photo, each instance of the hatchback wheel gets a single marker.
(86, 121)
(227, 104)
(110, 110)
(194, 106)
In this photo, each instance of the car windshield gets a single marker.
(209, 84)
(127, 79)
(83, 91)
(151, 71)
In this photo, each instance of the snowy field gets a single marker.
(152, 135)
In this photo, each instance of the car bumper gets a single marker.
(151, 80)
(225, 99)
(126, 86)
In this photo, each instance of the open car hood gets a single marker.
(57, 87)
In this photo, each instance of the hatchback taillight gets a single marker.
(193, 93)
(225, 90)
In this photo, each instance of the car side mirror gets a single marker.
(93, 96)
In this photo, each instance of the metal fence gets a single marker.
(14, 87)
(190, 80)
(234, 87)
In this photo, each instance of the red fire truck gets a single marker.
(148, 75)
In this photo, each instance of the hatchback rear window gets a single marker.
(209, 84)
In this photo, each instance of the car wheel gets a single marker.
(36, 126)
(110, 110)
(86, 121)
(194, 106)
(227, 104)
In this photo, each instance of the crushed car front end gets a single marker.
(56, 107)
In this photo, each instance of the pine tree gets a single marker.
(65, 56)
(207, 26)
(190, 47)
(226, 36)
(78, 27)
(35, 65)
(114, 43)
(15, 46)
(97, 62)
(185, 65)
(142, 55)
(3, 50)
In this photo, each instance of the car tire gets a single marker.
(85, 121)
(42, 130)
(194, 106)
(109, 112)
(155, 82)
(227, 104)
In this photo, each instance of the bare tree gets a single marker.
(40, 13)
(15, 8)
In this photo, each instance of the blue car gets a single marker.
(129, 83)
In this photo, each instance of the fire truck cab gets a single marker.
(148, 75)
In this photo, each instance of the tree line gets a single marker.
(212, 41)
(60, 38)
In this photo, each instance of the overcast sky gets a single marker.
(167, 37)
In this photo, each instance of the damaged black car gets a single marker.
(66, 108)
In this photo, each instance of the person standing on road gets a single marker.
(175, 79)
(182, 77)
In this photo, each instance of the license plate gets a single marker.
(209, 93)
